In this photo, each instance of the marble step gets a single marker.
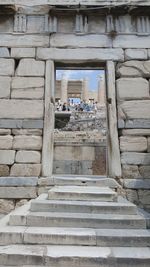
(90, 193)
(73, 256)
(45, 205)
(74, 236)
(78, 220)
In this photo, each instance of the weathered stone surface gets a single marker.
(139, 109)
(35, 124)
(134, 68)
(21, 203)
(16, 40)
(74, 153)
(144, 196)
(131, 41)
(17, 192)
(18, 181)
(135, 158)
(5, 131)
(22, 52)
(4, 52)
(5, 87)
(132, 196)
(37, 93)
(130, 172)
(6, 206)
(72, 40)
(132, 88)
(27, 82)
(27, 132)
(148, 144)
(143, 124)
(30, 67)
(7, 67)
(4, 170)
(130, 143)
(6, 142)
(27, 170)
(7, 157)
(27, 142)
(145, 171)
(28, 157)
(136, 132)
(10, 123)
(137, 183)
(21, 109)
(139, 54)
(80, 54)
(18, 124)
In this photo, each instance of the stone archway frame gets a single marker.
(113, 154)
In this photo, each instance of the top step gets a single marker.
(82, 193)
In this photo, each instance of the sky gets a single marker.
(92, 75)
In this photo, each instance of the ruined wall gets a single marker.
(133, 99)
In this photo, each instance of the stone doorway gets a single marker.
(113, 154)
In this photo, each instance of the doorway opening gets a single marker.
(80, 134)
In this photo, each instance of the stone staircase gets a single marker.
(81, 222)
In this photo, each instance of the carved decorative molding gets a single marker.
(20, 23)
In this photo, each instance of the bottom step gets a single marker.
(72, 256)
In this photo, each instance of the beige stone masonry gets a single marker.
(7, 157)
(27, 82)
(5, 131)
(5, 87)
(26, 132)
(22, 40)
(136, 132)
(131, 41)
(24, 142)
(129, 143)
(4, 52)
(30, 67)
(139, 54)
(135, 158)
(4, 170)
(7, 67)
(28, 157)
(134, 68)
(37, 93)
(145, 171)
(21, 109)
(83, 153)
(6, 142)
(130, 172)
(132, 88)
(148, 144)
(139, 109)
(22, 52)
(27, 170)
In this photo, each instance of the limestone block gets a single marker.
(136, 132)
(6, 206)
(6, 142)
(27, 132)
(134, 68)
(134, 158)
(27, 170)
(28, 157)
(145, 171)
(4, 52)
(19, 40)
(4, 170)
(80, 54)
(18, 192)
(148, 144)
(74, 153)
(24, 142)
(30, 67)
(144, 196)
(22, 52)
(132, 88)
(5, 131)
(7, 157)
(139, 109)
(5, 87)
(139, 54)
(130, 172)
(21, 109)
(32, 124)
(28, 93)
(18, 181)
(72, 40)
(137, 183)
(132, 196)
(7, 67)
(130, 143)
(27, 82)
(131, 41)
(138, 123)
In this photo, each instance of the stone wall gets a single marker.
(133, 99)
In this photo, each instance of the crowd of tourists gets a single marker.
(81, 106)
